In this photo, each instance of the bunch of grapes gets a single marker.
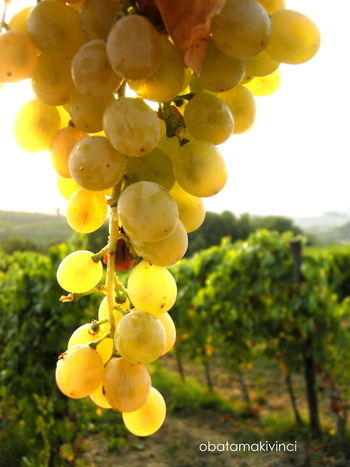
(131, 107)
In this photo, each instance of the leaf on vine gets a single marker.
(188, 24)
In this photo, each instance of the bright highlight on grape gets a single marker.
(143, 167)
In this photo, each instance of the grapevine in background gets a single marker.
(145, 161)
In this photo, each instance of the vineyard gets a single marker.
(269, 299)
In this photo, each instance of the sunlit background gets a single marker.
(294, 162)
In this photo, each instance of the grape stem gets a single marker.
(95, 325)
(4, 25)
(74, 297)
(95, 343)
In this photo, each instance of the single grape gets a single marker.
(61, 146)
(131, 126)
(66, 186)
(91, 71)
(265, 85)
(170, 331)
(79, 371)
(147, 212)
(95, 164)
(126, 386)
(85, 334)
(87, 111)
(98, 16)
(151, 288)
(149, 418)
(98, 397)
(208, 117)
(78, 272)
(103, 310)
(134, 47)
(18, 57)
(140, 337)
(191, 208)
(242, 105)
(200, 169)
(86, 210)
(272, 5)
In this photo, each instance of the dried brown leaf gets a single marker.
(188, 24)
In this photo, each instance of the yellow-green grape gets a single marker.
(147, 212)
(191, 208)
(86, 210)
(35, 125)
(98, 16)
(156, 166)
(140, 337)
(208, 117)
(170, 331)
(87, 111)
(261, 65)
(219, 72)
(134, 47)
(18, 57)
(149, 418)
(52, 80)
(131, 126)
(79, 371)
(242, 29)
(151, 288)
(164, 252)
(265, 85)
(55, 29)
(18, 21)
(295, 38)
(66, 186)
(95, 164)
(98, 397)
(104, 313)
(200, 169)
(91, 71)
(272, 5)
(78, 272)
(167, 82)
(126, 386)
(242, 105)
(85, 334)
(61, 146)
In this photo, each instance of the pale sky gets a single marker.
(294, 162)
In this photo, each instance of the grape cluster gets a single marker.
(132, 131)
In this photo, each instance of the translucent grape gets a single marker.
(131, 126)
(140, 337)
(261, 65)
(86, 210)
(295, 38)
(265, 85)
(55, 29)
(134, 47)
(103, 310)
(86, 334)
(35, 125)
(147, 211)
(242, 105)
(52, 80)
(167, 81)
(149, 418)
(126, 386)
(200, 169)
(95, 164)
(97, 17)
(18, 57)
(242, 29)
(92, 72)
(78, 272)
(151, 288)
(66, 186)
(79, 371)
(170, 331)
(61, 146)
(98, 397)
(208, 117)
(219, 72)
(156, 166)
(18, 21)
(164, 252)
(191, 208)
(87, 111)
